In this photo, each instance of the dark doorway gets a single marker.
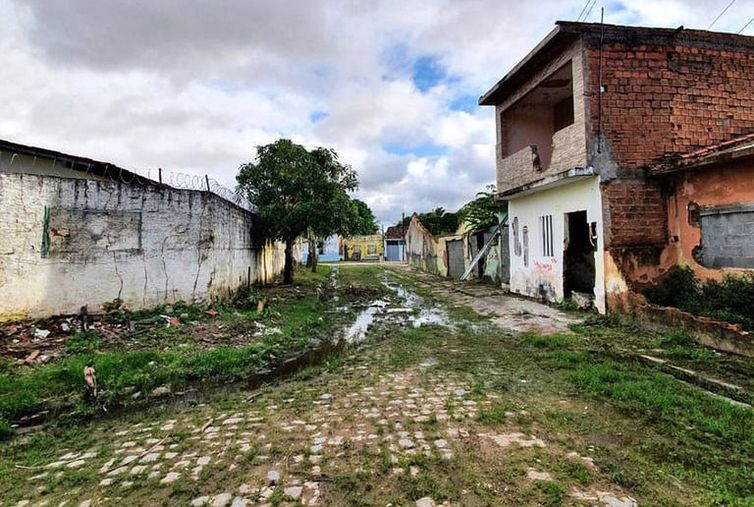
(579, 255)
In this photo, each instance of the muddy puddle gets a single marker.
(403, 307)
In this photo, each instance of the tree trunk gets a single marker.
(288, 269)
(315, 259)
(311, 259)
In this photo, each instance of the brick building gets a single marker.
(624, 152)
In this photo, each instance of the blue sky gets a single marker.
(391, 85)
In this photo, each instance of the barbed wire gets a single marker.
(11, 161)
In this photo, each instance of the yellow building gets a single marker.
(363, 248)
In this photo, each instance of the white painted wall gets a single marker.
(143, 245)
(548, 271)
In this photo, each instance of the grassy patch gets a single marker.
(293, 318)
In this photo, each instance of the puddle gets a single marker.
(408, 308)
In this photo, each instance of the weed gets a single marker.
(494, 414)
(554, 492)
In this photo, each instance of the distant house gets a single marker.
(363, 248)
(624, 152)
(395, 243)
(328, 250)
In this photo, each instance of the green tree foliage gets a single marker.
(364, 222)
(438, 221)
(297, 192)
(481, 213)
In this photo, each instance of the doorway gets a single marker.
(579, 274)
(456, 265)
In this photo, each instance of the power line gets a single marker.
(746, 26)
(583, 10)
(586, 16)
(721, 13)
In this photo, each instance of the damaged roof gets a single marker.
(732, 150)
(395, 232)
(566, 32)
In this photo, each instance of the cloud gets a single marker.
(195, 86)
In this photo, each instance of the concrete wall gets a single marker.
(68, 243)
(423, 250)
(531, 273)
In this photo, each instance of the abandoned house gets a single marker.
(369, 247)
(624, 152)
(395, 243)
(83, 233)
(453, 255)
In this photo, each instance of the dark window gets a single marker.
(545, 227)
(562, 114)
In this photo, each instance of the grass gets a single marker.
(300, 318)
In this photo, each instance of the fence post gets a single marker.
(206, 179)
(159, 174)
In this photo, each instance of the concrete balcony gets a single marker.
(517, 169)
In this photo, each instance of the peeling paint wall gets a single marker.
(424, 251)
(531, 272)
(67, 243)
(696, 193)
(364, 248)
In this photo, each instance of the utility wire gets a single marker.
(583, 10)
(721, 14)
(586, 16)
(746, 26)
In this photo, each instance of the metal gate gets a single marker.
(456, 265)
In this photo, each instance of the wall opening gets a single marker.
(727, 236)
(578, 256)
(533, 120)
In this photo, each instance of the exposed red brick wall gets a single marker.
(637, 213)
(670, 95)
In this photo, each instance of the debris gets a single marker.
(273, 476)
(173, 322)
(163, 390)
(155, 446)
(91, 381)
(31, 357)
(206, 425)
(260, 305)
(41, 334)
(212, 313)
(65, 327)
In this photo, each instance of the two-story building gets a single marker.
(602, 132)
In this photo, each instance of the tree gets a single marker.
(481, 213)
(438, 222)
(364, 222)
(296, 192)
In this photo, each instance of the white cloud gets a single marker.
(194, 86)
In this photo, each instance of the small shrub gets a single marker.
(730, 300)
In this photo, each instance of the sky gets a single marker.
(194, 86)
